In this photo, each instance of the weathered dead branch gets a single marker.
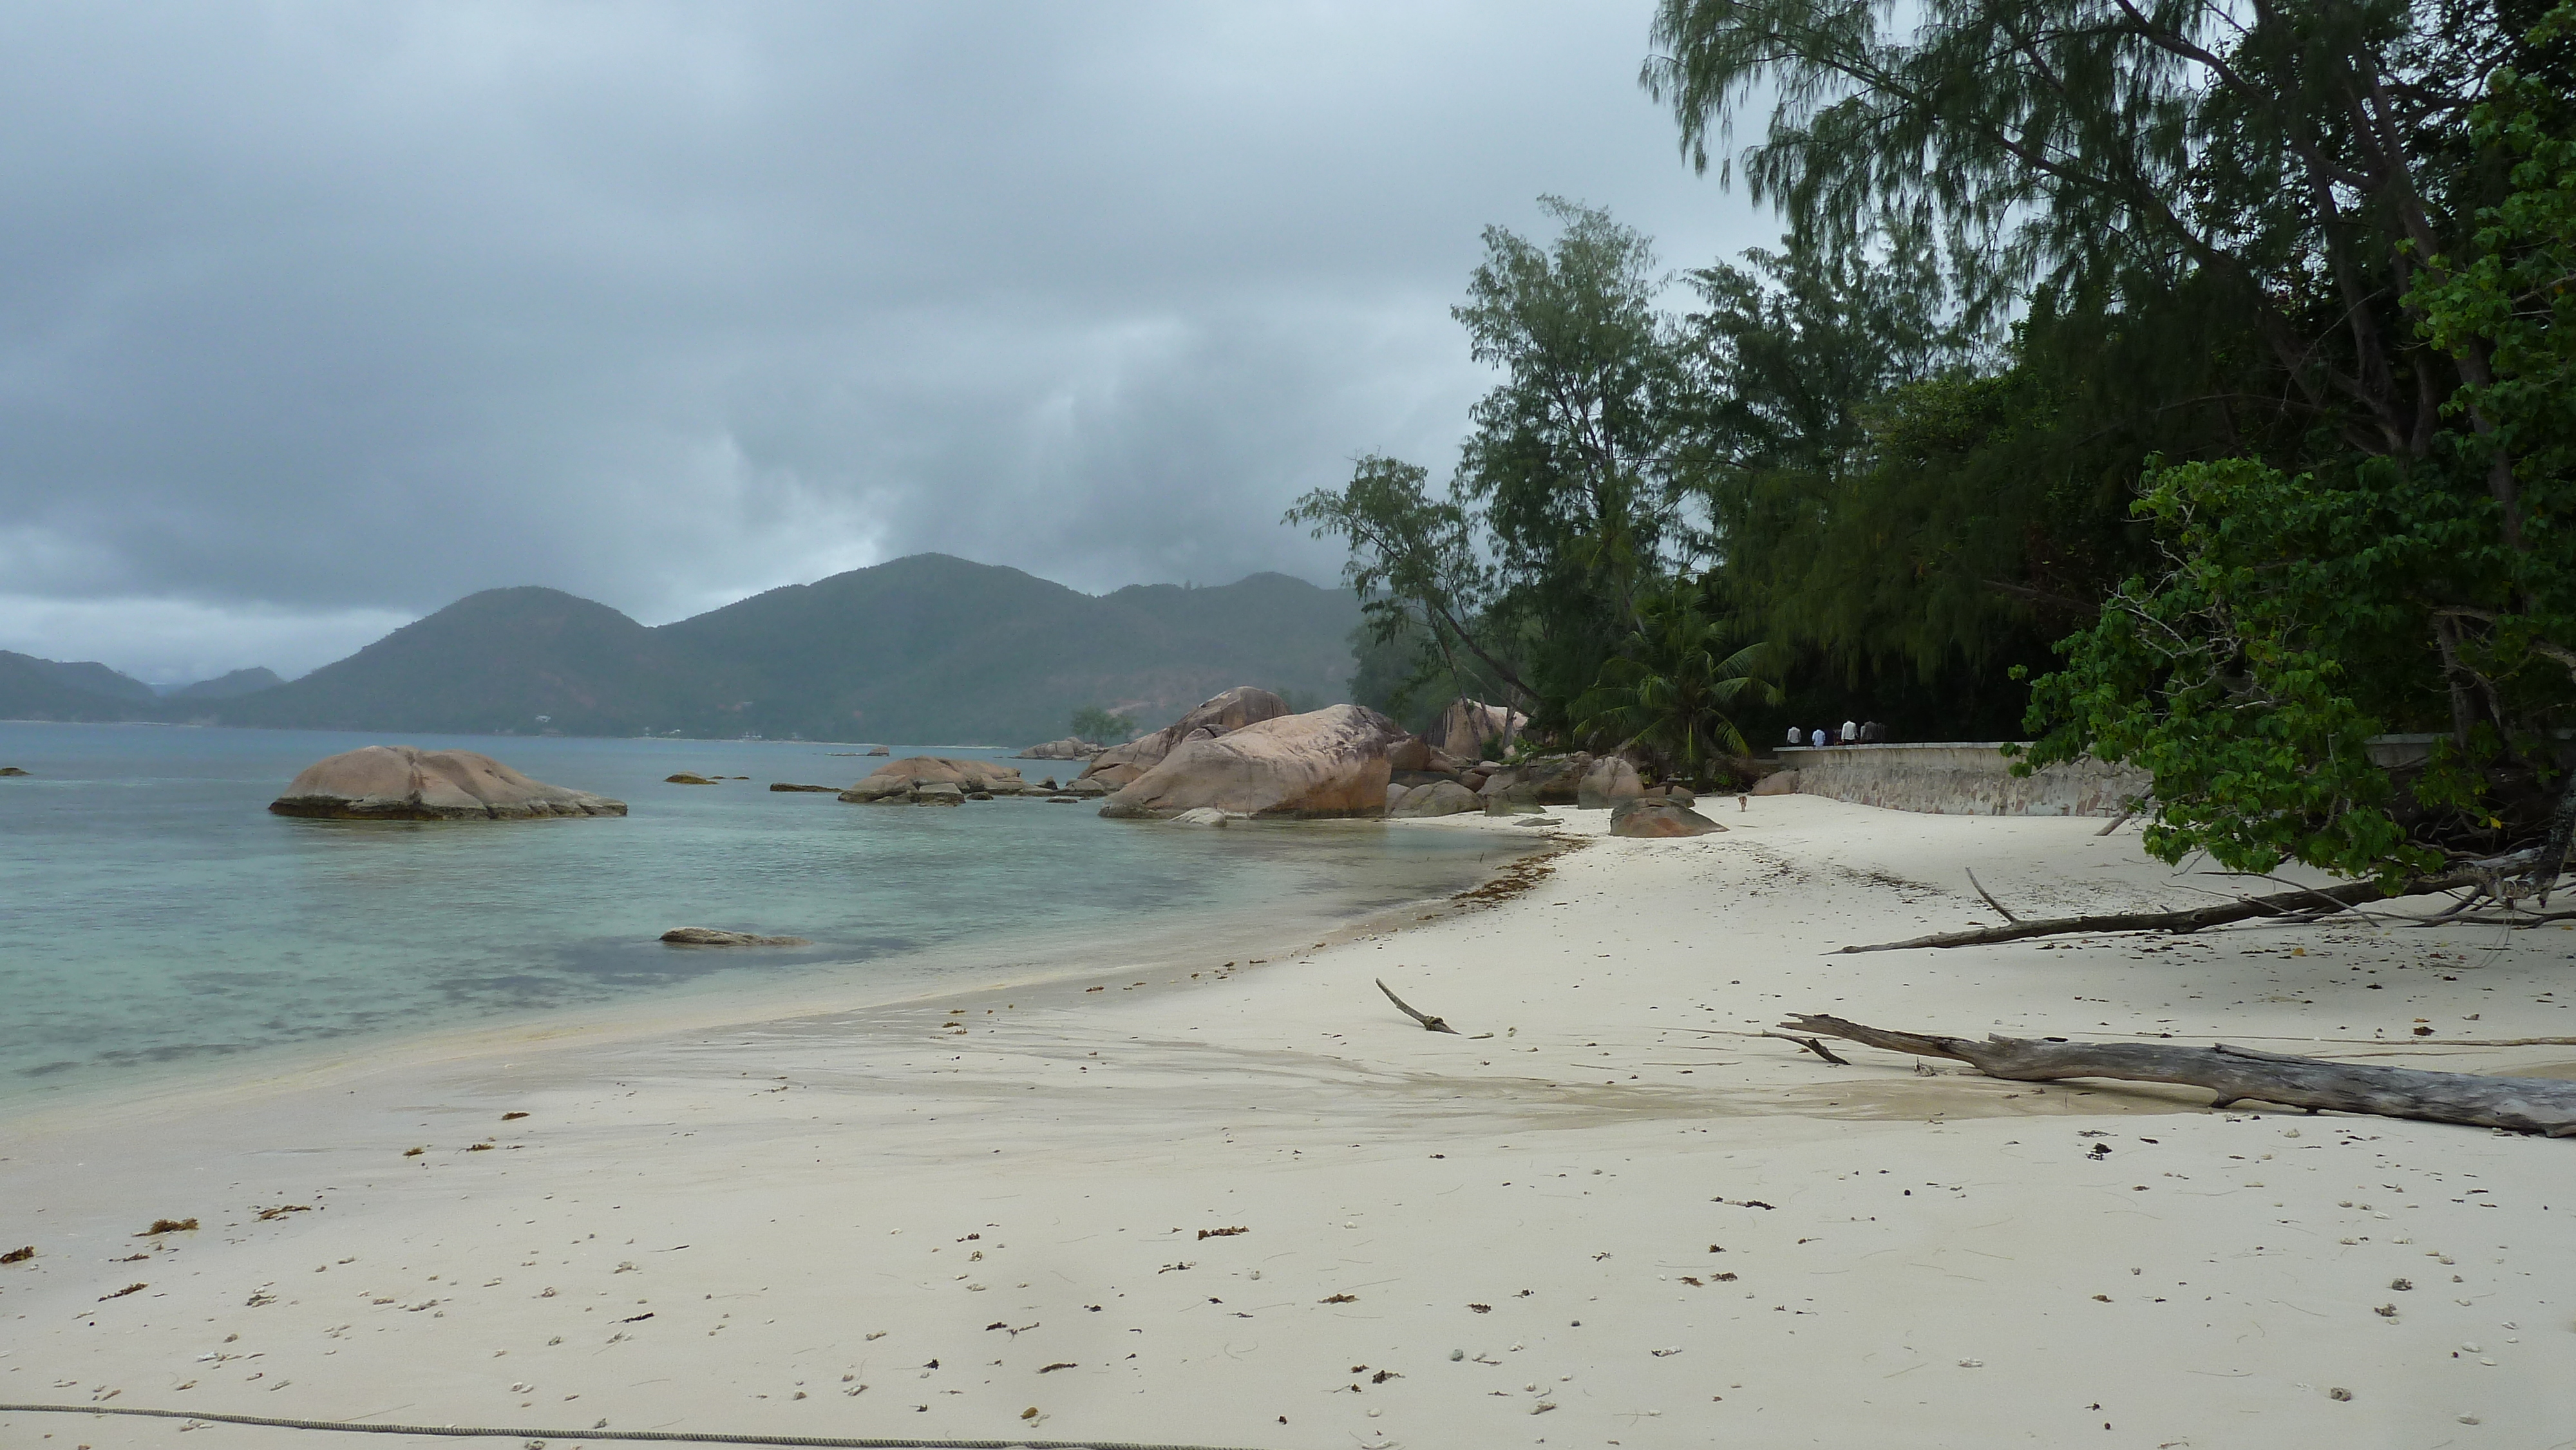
(1429, 1024)
(2242, 1074)
(2290, 904)
(1809, 1043)
(2000, 909)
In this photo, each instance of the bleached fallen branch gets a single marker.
(1429, 1024)
(2306, 900)
(2242, 1074)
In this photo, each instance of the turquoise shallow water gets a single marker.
(155, 919)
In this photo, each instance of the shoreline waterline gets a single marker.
(1212, 1209)
(162, 928)
(1240, 938)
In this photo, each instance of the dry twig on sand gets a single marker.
(2000, 909)
(2240, 1074)
(1429, 1024)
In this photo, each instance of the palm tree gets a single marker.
(1673, 683)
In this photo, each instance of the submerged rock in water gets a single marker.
(1201, 816)
(685, 778)
(11, 770)
(822, 789)
(406, 783)
(908, 776)
(707, 936)
(1655, 819)
(879, 750)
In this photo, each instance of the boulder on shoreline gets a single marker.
(1610, 781)
(1440, 798)
(406, 783)
(707, 936)
(1657, 819)
(1778, 782)
(1330, 762)
(1121, 765)
(1468, 726)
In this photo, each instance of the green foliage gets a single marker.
(1565, 505)
(1098, 726)
(1675, 687)
(1576, 455)
(2276, 247)
(1415, 567)
(2284, 633)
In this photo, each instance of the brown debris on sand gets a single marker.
(168, 1226)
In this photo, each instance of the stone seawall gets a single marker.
(1960, 778)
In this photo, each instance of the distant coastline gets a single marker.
(928, 647)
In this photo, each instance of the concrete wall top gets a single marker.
(1959, 777)
(1988, 746)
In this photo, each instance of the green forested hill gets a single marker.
(925, 649)
(936, 649)
(34, 689)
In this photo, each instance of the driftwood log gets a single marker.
(2241, 1074)
(2301, 902)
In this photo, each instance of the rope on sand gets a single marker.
(687, 1437)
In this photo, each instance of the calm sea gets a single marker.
(156, 920)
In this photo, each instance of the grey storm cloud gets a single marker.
(314, 317)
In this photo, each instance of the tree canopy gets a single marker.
(2192, 377)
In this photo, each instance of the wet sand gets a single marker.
(1256, 1207)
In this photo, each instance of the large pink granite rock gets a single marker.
(1243, 705)
(1468, 726)
(406, 783)
(1069, 748)
(1328, 762)
(1606, 782)
(901, 778)
(1657, 818)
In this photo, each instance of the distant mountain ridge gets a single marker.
(226, 686)
(923, 648)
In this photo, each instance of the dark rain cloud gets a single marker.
(315, 317)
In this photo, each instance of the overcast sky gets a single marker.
(316, 317)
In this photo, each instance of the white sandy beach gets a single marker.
(1258, 1208)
